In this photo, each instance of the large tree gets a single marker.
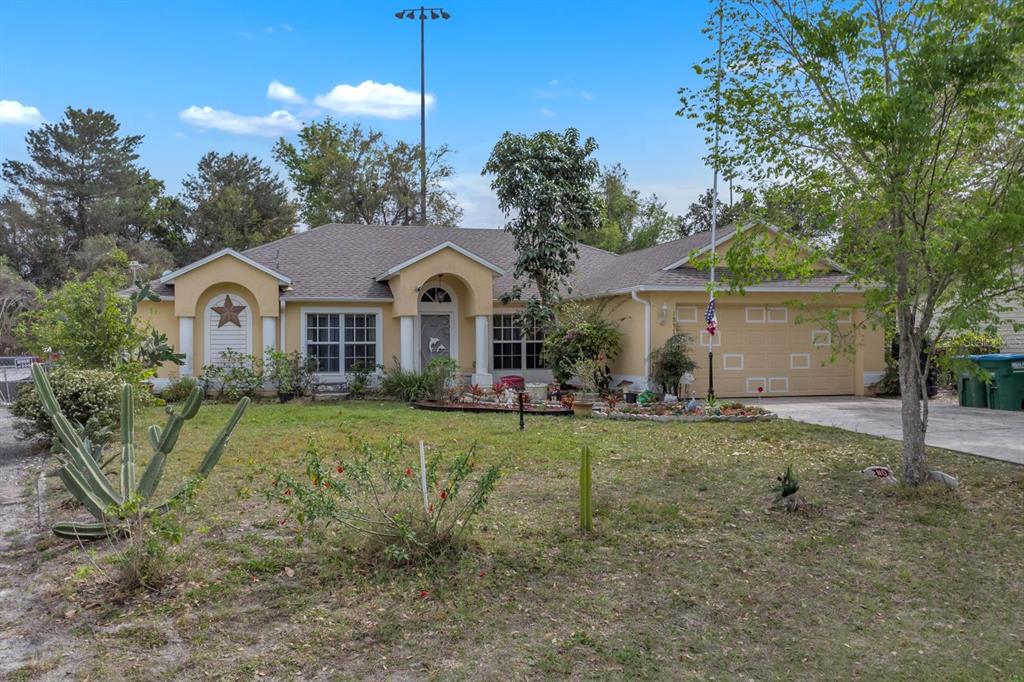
(81, 179)
(232, 200)
(544, 183)
(345, 174)
(698, 217)
(628, 221)
(907, 119)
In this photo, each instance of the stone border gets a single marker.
(622, 416)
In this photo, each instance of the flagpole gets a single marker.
(714, 208)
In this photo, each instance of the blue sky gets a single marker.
(610, 69)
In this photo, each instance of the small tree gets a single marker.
(544, 186)
(580, 332)
(904, 120)
(671, 361)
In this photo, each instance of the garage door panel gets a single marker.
(777, 356)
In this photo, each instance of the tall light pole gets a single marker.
(422, 13)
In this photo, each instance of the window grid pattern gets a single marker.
(338, 341)
(323, 332)
(512, 348)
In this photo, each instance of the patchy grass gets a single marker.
(688, 575)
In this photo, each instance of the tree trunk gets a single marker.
(911, 395)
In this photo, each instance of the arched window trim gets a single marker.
(436, 295)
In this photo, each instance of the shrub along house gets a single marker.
(349, 294)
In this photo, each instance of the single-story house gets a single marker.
(348, 294)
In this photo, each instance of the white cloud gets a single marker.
(545, 112)
(13, 112)
(369, 98)
(284, 93)
(277, 123)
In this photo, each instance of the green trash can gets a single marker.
(973, 391)
(1006, 390)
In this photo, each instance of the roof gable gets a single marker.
(171, 276)
(394, 270)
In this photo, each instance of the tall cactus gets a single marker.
(586, 489)
(85, 480)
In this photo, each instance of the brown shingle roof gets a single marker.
(342, 261)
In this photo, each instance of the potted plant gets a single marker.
(587, 371)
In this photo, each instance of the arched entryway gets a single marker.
(437, 324)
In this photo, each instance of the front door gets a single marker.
(435, 337)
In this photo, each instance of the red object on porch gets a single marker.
(512, 381)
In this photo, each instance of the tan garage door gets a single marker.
(761, 350)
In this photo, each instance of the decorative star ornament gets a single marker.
(228, 312)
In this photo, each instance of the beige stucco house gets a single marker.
(346, 294)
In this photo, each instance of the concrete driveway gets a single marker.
(990, 433)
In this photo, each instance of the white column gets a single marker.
(185, 344)
(482, 375)
(269, 335)
(408, 351)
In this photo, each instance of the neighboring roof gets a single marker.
(353, 262)
(171, 276)
(394, 270)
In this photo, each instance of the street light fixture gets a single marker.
(435, 13)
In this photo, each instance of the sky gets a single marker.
(199, 76)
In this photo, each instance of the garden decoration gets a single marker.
(945, 479)
(586, 490)
(879, 473)
(81, 473)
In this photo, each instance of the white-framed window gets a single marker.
(756, 385)
(799, 360)
(755, 314)
(705, 338)
(821, 338)
(844, 316)
(686, 313)
(512, 347)
(732, 361)
(778, 315)
(340, 339)
(778, 385)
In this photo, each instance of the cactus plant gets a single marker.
(83, 477)
(586, 488)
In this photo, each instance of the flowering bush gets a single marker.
(91, 397)
(580, 332)
(376, 493)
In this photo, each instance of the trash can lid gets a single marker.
(998, 357)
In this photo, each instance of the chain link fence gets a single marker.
(15, 370)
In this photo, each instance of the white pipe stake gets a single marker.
(423, 479)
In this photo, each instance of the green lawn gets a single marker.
(688, 575)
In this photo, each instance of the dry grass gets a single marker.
(688, 575)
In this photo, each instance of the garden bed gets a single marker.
(488, 407)
(626, 416)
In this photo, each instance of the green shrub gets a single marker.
(238, 375)
(404, 385)
(178, 389)
(430, 384)
(580, 332)
(375, 492)
(671, 361)
(92, 398)
(359, 378)
(290, 372)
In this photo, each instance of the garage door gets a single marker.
(761, 350)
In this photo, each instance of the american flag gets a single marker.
(711, 318)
